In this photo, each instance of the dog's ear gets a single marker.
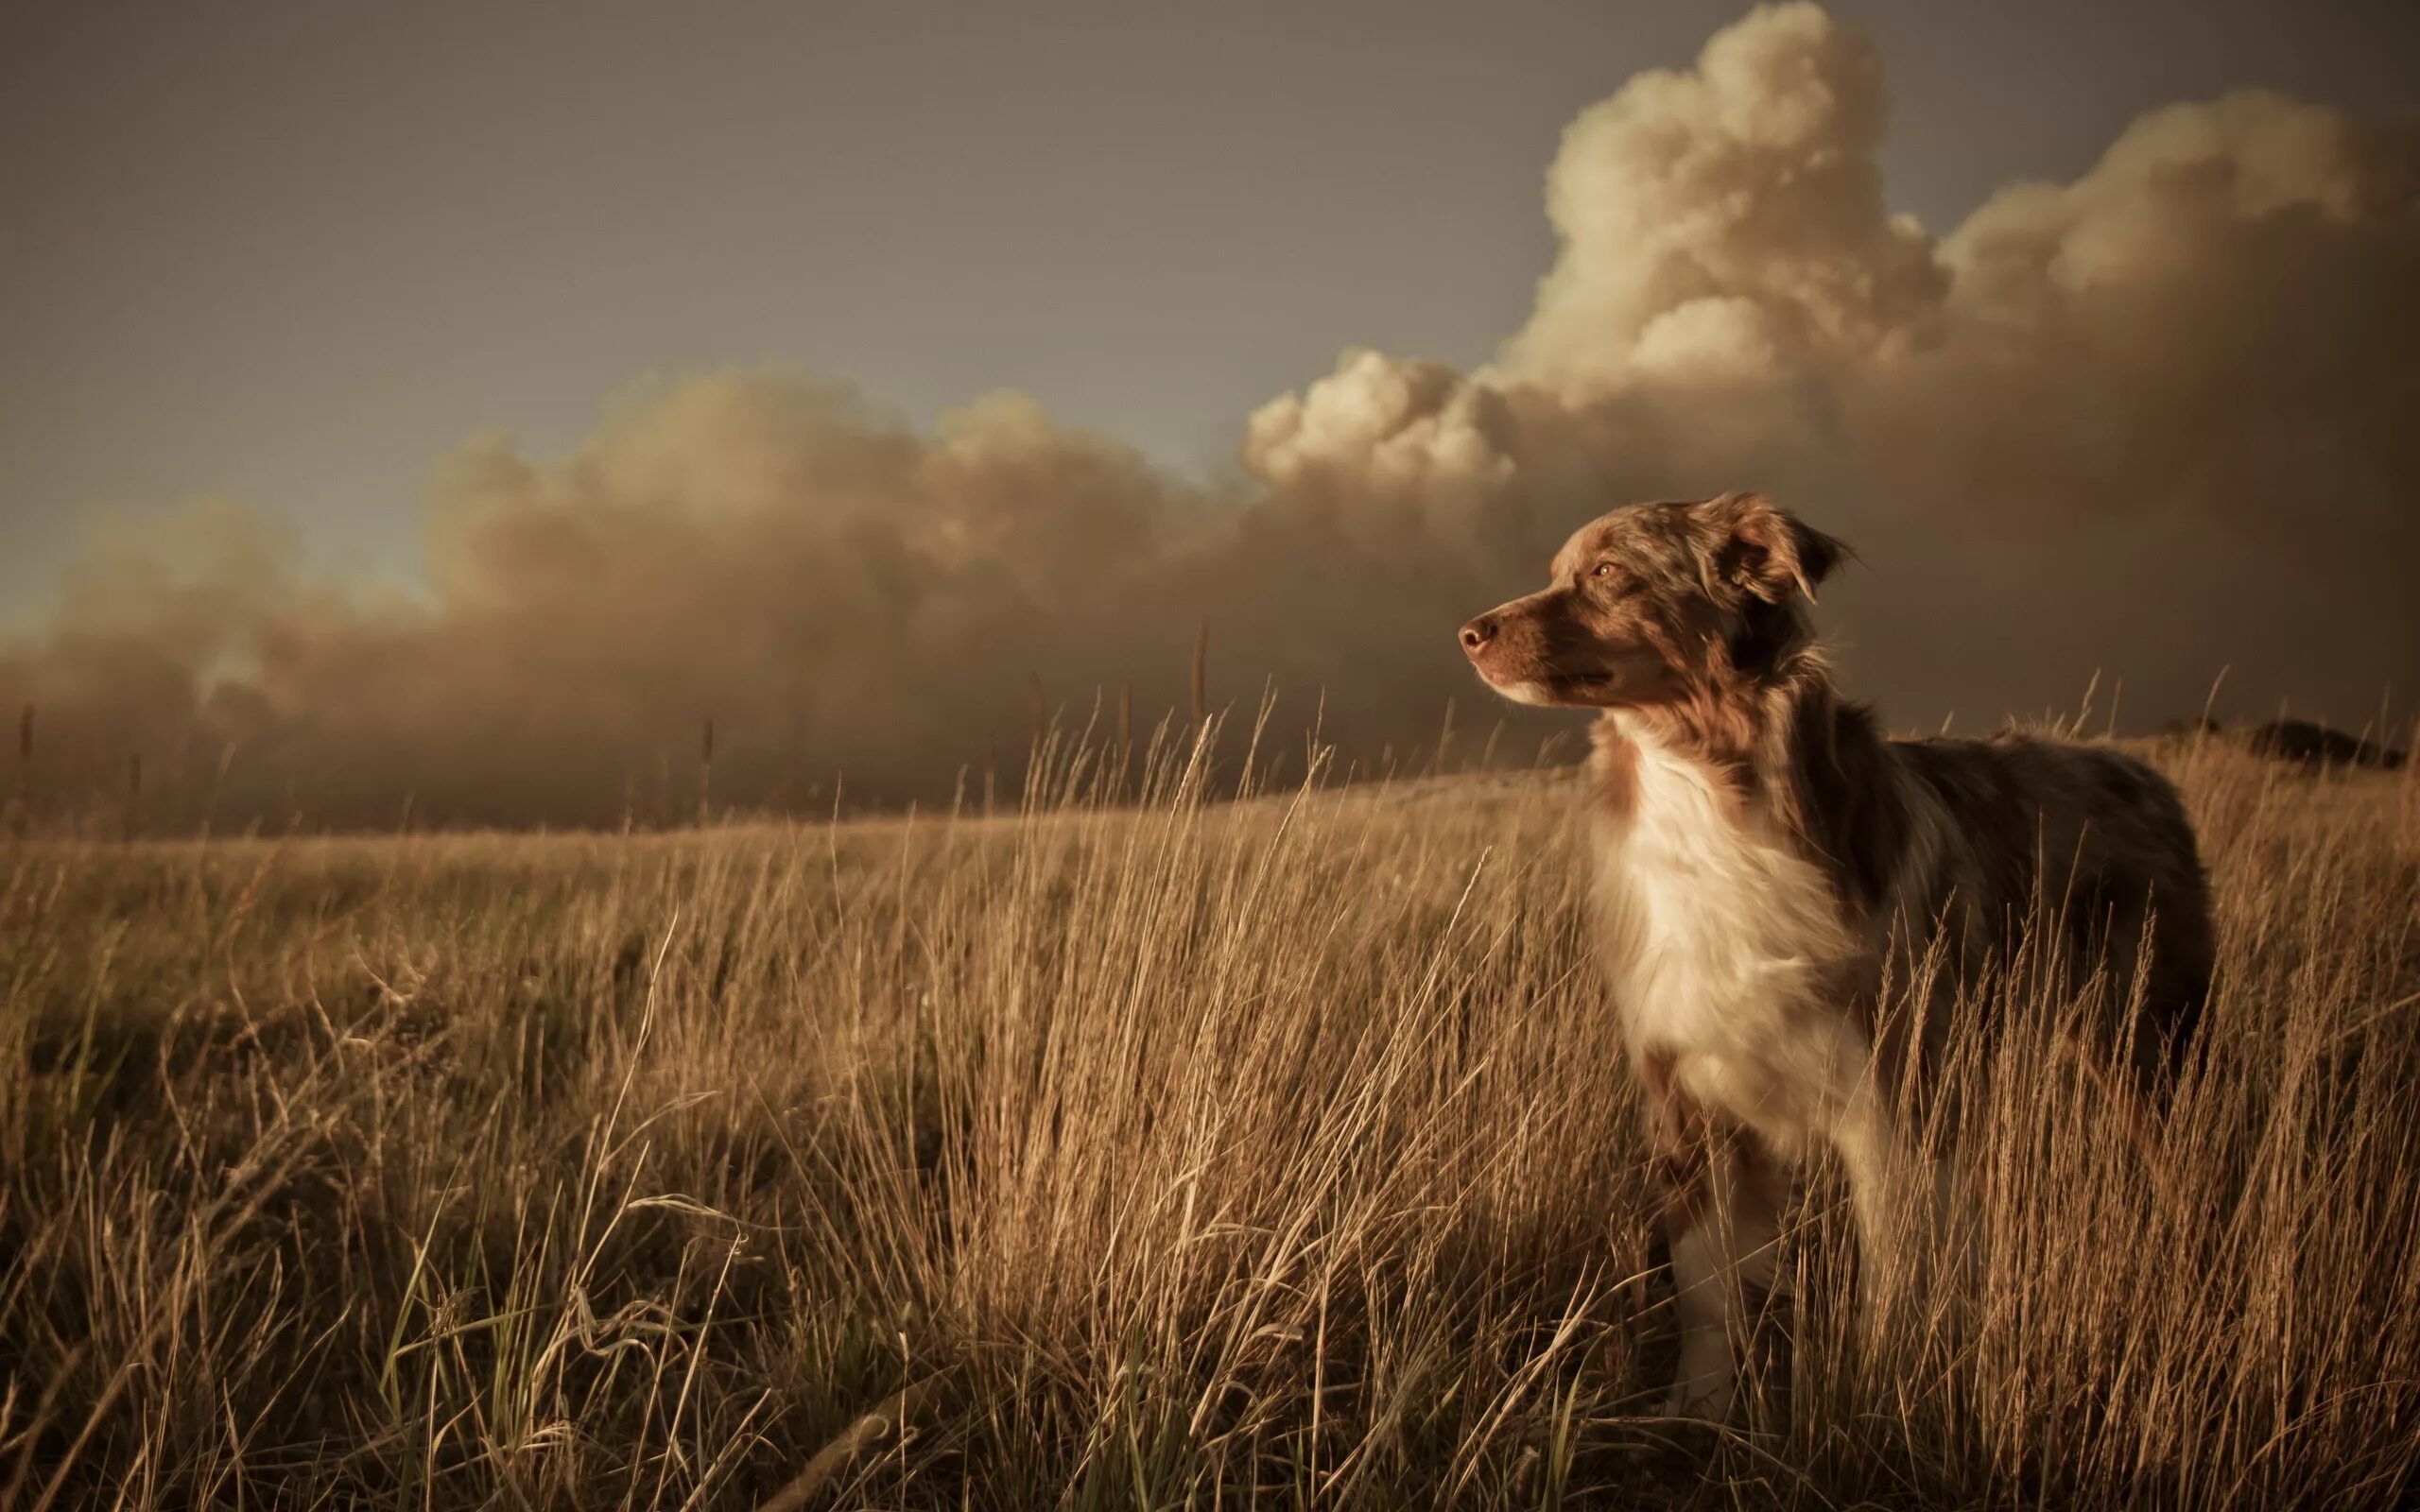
(1761, 547)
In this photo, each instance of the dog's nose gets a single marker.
(1477, 634)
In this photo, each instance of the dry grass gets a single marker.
(1187, 1155)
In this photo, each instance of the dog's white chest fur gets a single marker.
(1723, 950)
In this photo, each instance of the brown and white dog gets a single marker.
(1765, 862)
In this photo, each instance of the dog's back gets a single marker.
(2040, 855)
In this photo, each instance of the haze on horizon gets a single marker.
(938, 356)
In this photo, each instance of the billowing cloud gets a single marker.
(1728, 223)
(2155, 421)
(836, 592)
(2149, 423)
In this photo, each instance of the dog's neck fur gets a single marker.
(1764, 718)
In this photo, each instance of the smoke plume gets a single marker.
(2153, 422)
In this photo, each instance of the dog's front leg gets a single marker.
(1723, 1197)
(1892, 1191)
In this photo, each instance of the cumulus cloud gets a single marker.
(2152, 421)
(838, 592)
(1727, 222)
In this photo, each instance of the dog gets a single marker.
(1769, 873)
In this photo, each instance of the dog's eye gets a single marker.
(1603, 569)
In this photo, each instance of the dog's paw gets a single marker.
(1702, 1400)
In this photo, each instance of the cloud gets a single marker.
(1728, 223)
(2153, 422)
(2148, 422)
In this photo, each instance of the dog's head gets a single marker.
(1654, 603)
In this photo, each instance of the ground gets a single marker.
(1164, 1151)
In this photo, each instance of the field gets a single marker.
(1147, 1153)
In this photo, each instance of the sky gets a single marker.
(296, 257)
(292, 251)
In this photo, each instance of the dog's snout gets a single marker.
(1478, 634)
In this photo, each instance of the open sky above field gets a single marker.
(292, 253)
(298, 259)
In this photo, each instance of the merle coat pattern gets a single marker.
(1764, 861)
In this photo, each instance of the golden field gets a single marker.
(1145, 1153)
